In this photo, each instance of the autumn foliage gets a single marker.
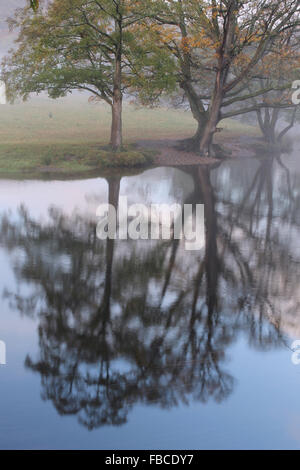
(225, 57)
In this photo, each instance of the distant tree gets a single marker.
(270, 89)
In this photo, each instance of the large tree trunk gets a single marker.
(214, 119)
(224, 61)
(192, 144)
(200, 115)
(215, 107)
(116, 126)
(187, 85)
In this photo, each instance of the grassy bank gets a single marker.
(68, 136)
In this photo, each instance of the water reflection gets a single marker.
(122, 322)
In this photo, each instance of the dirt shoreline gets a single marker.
(166, 153)
(169, 155)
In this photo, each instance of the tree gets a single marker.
(218, 46)
(34, 4)
(70, 45)
(211, 49)
(269, 91)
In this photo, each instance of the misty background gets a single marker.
(7, 9)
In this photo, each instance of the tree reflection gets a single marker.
(122, 322)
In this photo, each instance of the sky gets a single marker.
(7, 9)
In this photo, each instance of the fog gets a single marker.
(7, 8)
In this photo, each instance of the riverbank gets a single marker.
(67, 138)
(167, 152)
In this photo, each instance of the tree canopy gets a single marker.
(220, 54)
(75, 45)
(220, 47)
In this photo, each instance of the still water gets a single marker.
(142, 344)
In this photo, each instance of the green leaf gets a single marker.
(34, 4)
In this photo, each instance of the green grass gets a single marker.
(67, 158)
(69, 135)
